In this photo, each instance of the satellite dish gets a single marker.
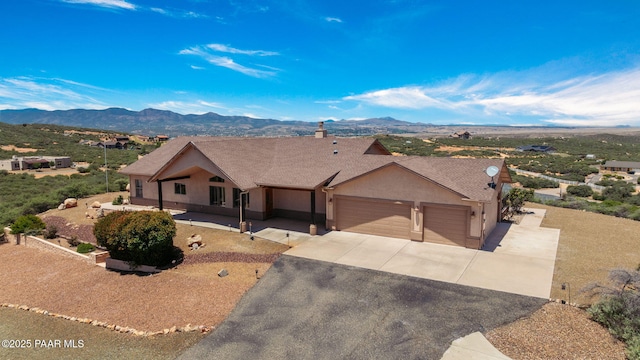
(492, 171)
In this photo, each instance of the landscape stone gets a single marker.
(70, 202)
(223, 273)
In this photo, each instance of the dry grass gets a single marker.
(590, 245)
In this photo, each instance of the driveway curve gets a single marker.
(309, 309)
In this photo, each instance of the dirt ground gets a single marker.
(590, 244)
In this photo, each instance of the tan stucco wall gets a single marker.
(298, 200)
(394, 183)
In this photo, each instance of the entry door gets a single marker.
(268, 203)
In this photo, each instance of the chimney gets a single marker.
(321, 132)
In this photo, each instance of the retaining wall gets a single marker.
(92, 258)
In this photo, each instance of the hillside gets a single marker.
(152, 122)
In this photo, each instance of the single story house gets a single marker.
(35, 162)
(350, 184)
(536, 148)
(626, 166)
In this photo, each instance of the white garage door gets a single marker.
(375, 217)
(446, 225)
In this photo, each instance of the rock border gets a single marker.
(121, 329)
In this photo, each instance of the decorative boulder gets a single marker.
(70, 202)
(223, 273)
(96, 205)
(128, 188)
(61, 206)
(194, 241)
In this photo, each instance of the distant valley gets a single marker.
(151, 122)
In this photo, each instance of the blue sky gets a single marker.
(443, 62)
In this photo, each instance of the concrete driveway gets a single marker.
(517, 259)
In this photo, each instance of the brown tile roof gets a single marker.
(308, 162)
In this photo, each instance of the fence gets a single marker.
(561, 181)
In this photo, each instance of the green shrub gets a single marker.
(28, 224)
(84, 248)
(51, 232)
(117, 201)
(73, 241)
(122, 184)
(82, 170)
(516, 199)
(580, 190)
(141, 237)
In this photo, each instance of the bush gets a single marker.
(516, 199)
(619, 308)
(51, 232)
(84, 248)
(28, 224)
(73, 241)
(141, 237)
(83, 170)
(122, 184)
(580, 190)
(117, 201)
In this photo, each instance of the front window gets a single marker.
(180, 189)
(216, 195)
(138, 188)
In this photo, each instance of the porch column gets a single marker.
(160, 194)
(313, 207)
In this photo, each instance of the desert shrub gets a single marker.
(75, 190)
(117, 201)
(535, 182)
(84, 248)
(73, 241)
(51, 232)
(82, 170)
(141, 237)
(580, 190)
(122, 184)
(619, 308)
(28, 224)
(516, 199)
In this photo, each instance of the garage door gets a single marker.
(445, 225)
(375, 217)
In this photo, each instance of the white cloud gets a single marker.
(230, 50)
(606, 99)
(197, 67)
(197, 107)
(117, 4)
(411, 97)
(49, 94)
(333, 19)
(229, 63)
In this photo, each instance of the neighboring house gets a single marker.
(462, 135)
(626, 166)
(161, 138)
(351, 184)
(536, 148)
(35, 162)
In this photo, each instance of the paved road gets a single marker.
(309, 309)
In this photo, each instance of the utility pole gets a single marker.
(106, 168)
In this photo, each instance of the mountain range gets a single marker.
(151, 122)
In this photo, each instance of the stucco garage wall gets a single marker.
(394, 183)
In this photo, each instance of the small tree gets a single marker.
(516, 199)
(122, 184)
(580, 190)
(28, 224)
(141, 237)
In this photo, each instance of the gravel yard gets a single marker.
(590, 245)
(192, 293)
(556, 332)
